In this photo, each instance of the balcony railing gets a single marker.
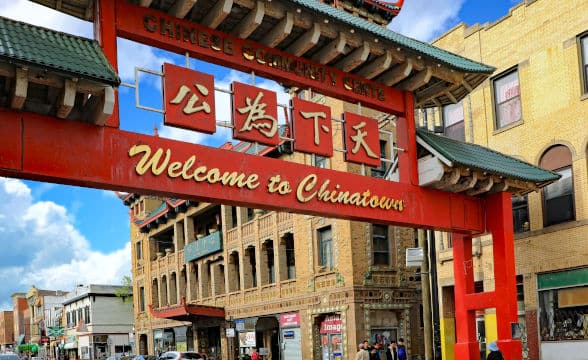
(266, 225)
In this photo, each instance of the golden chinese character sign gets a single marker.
(188, 99)
(362, 139)
(255, 114)
(312, 127)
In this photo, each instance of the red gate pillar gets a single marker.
(499, 223)
(466, 345)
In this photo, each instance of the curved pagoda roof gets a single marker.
(330, 33)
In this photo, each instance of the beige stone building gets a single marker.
(535, 108)
(301, 286)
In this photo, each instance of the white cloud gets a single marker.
(32, 13)
(425, 19)
(42, 247)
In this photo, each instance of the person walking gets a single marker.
(391, 351)
(495, 353)
(401, 349)
(362, 354)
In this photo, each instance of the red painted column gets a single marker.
(406, 138)
(466, 345)
(105, 32)
(499, 223)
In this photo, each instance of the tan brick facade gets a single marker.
(368, 299)
(540, 39)
(6, 330)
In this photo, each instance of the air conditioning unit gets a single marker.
(414, 257)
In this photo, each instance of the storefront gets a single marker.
(290, 337)
(563, 314)
(331, 334)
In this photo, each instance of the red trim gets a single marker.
(183, 311)
(103, 154)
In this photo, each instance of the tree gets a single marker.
(126, 290)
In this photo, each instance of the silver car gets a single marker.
(179, 355)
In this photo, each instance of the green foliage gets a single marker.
(126, 290)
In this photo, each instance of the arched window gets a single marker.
(558, 198)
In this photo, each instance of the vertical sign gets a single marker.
(312, 127)
(255, 114)
(188, 99)
(362, 139)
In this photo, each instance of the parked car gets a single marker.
(145, 357)
(9, 357)
(179, 355)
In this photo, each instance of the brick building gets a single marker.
(6, 331)
(21, 318)
(533, 108)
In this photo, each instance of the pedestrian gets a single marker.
(362, 354)
(495, 353)
(391, 351)
(401, 349)
(375, 352)
(254, 354)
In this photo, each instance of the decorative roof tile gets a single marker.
(478, 157)
(74, 56)
(450, 59)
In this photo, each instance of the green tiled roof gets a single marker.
(455, 61)
(30, 45)
(478, 157)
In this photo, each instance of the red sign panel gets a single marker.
(331, 325)
(119, 160)
(362, 139)
(189, 99)
(255, 114)
(290, 320)
(180, 36)
(312, 127)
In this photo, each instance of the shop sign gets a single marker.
(230, 332)
(290, 320)
(240, 324)
(204, 246)
(331, 325)
(45, 340)
(289, 334)
(247, 339)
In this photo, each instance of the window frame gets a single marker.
(385, 240)
(322, 259)
(519, 204)
(495, 103)
(453, 125)
(583, 59)
(546, 221)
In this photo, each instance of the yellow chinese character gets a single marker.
(316, 115)
(191, 107)
(360, 141)
(257, 114)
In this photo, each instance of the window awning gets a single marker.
(186, 312)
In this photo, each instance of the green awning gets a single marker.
(560, 279)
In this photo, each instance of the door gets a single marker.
(291, 344)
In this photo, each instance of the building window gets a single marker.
(142, 298)
(380, 246)
(290, 258)
(233, 217)
(507, 97)
(250, 214)
(453, 123)
(520, 214)
(558, 197)
(380, 172)
(87, 314)
(584, 62)
(138, 253)
(325, 242)
(520, 288)
(319, 161)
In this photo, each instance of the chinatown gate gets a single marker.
(357, 61)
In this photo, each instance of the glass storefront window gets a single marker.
(563, 314)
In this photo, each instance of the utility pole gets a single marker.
(426, 289)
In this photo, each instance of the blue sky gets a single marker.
(57, 236)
